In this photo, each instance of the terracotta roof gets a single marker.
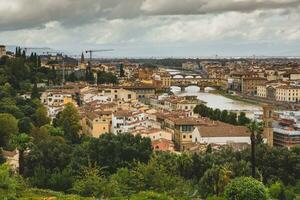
(223, 130)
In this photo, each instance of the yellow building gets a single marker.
(288, 93)
(98, 123)
(249, 84)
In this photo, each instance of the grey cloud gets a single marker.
(194, 7)
(21, 14)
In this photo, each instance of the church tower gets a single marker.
(268, 128)
(82, 58)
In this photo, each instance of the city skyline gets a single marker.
(143, 28)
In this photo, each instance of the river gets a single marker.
(216, 100)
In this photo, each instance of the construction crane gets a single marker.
(99, 50)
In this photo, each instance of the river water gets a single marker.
(216, 100)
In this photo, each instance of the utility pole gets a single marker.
(253, 160)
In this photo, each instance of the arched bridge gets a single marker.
(200, 82)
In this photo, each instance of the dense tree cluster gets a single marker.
(106, 78)
(223, 116)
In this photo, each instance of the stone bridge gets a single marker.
(200, 82)
(185, 76)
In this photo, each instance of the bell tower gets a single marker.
(268, 128)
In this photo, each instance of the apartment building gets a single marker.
(55, 100)
(249, 84)
(125, 121)
(98, 123)
(288, 93)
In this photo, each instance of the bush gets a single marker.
(245, 188)
(8, 184)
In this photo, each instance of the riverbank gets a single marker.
(257, 100)
(235, 97)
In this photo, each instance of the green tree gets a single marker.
(242, 119)
(224, 116)
(232, 118)
(214, 180)
(115, 151)
(9, 127)
(35, 92)
(46, 164)
(8, 184)
(40, 117)
(245, 188)
(22, 142)
(148, 195)
(69, 122)
(25, 125)
(92, 183)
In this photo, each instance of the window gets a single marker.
(184, 136)
(129, 96)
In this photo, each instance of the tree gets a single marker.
(92, 183)
(22, 142)
(46, 164)
(224, 116)
(122, 72)
(9, 127)
(214, 180)
(106, 78)
(25, 125)
(254, 128)
(8, 184)
(69, 122)
(40, 117)
(148, 195)
(245, 188)
(242, 119)
(231, 119)
(35, 92)
(115, 151)
(276, 191)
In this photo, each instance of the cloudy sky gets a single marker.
(159, 28)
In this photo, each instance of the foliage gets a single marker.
(245, 188)
(69, 122)
(22, 142)
(278, 191)
(115, 151)
(149, 196)
(214, 180)
(9, 127)
(92, 183)
(223, 116)
(151, 176)
(40, 117)
(25, 125)
(8, 184)
(106, 78)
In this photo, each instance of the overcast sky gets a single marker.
(159, 28)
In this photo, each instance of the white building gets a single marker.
(55, 101)
(124, 121)
(221, 134)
